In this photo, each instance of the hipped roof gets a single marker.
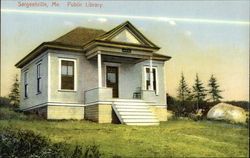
(78, 38)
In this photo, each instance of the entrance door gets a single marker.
(112, 79)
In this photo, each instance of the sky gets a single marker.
(203, 37)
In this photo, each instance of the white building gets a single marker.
(114, 76)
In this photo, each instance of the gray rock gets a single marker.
(223, 111)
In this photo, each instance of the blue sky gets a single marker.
(205, 48)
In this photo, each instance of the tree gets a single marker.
(214, 90)
(183, 90)
(199, 92)
(14, 95)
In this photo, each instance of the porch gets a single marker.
(122, 77)
(126, 93)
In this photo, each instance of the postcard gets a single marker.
(83, 78)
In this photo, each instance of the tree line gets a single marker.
(197, 97)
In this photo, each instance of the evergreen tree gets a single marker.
(214, 90)
(14, 95)
(199, 92)
(183, 90)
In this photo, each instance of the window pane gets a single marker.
(67, 83)
(39, 85)
(64, 62)
(70, 70)
(26, 90)
(38, 70)
(25, 77)
(67, 75)
(64, 70)
(111, 77)
(147, 74)
(148, 78)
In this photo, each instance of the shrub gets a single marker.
(242, 104)
(27, 144)
(92, 151)
(21, 143)
(189, 108)
(8, 114)
(4, 102)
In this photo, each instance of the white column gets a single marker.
(99, 60)
(151, 87)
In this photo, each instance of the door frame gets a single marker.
(118, 65)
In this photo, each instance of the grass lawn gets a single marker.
(180, 138)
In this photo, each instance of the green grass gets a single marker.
(180, 138)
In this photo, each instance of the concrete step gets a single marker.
(128, 100)
(151, 120)
(138, 117)
(134, 110)
(137, 113)
(130, 107)
(143, 124)
(131, 103)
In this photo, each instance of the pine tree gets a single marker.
(183, 90)
(199, 92)
(214, 90)
(14, 95)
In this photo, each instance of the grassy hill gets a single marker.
(177, 138)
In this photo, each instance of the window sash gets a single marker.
(26, 90)
(26, 84)
(25, 77)
(67, 75)
(38, 70)
(39, 78)
(148, 78)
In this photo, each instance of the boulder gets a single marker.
(228, 112)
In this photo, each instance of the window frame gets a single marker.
(25, 82)
(60, 77)
(156, 79)
(38, 78)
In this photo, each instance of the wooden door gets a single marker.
(112, 79)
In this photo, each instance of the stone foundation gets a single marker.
(161, 113)
(65, 112)
(100, 113)
(42, 111)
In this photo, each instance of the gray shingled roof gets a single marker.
(79, 36)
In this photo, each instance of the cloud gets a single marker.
(171, 22)
(102, 20)
(69, 23)
(188, 33)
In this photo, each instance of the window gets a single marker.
(67, 75)
(38, 78)
(25, 84)
(147, 78)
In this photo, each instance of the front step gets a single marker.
(131, 113)
(143, 124)
(137, 117)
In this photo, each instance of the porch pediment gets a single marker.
(127, 33)
(124, 35)
(127, 37)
